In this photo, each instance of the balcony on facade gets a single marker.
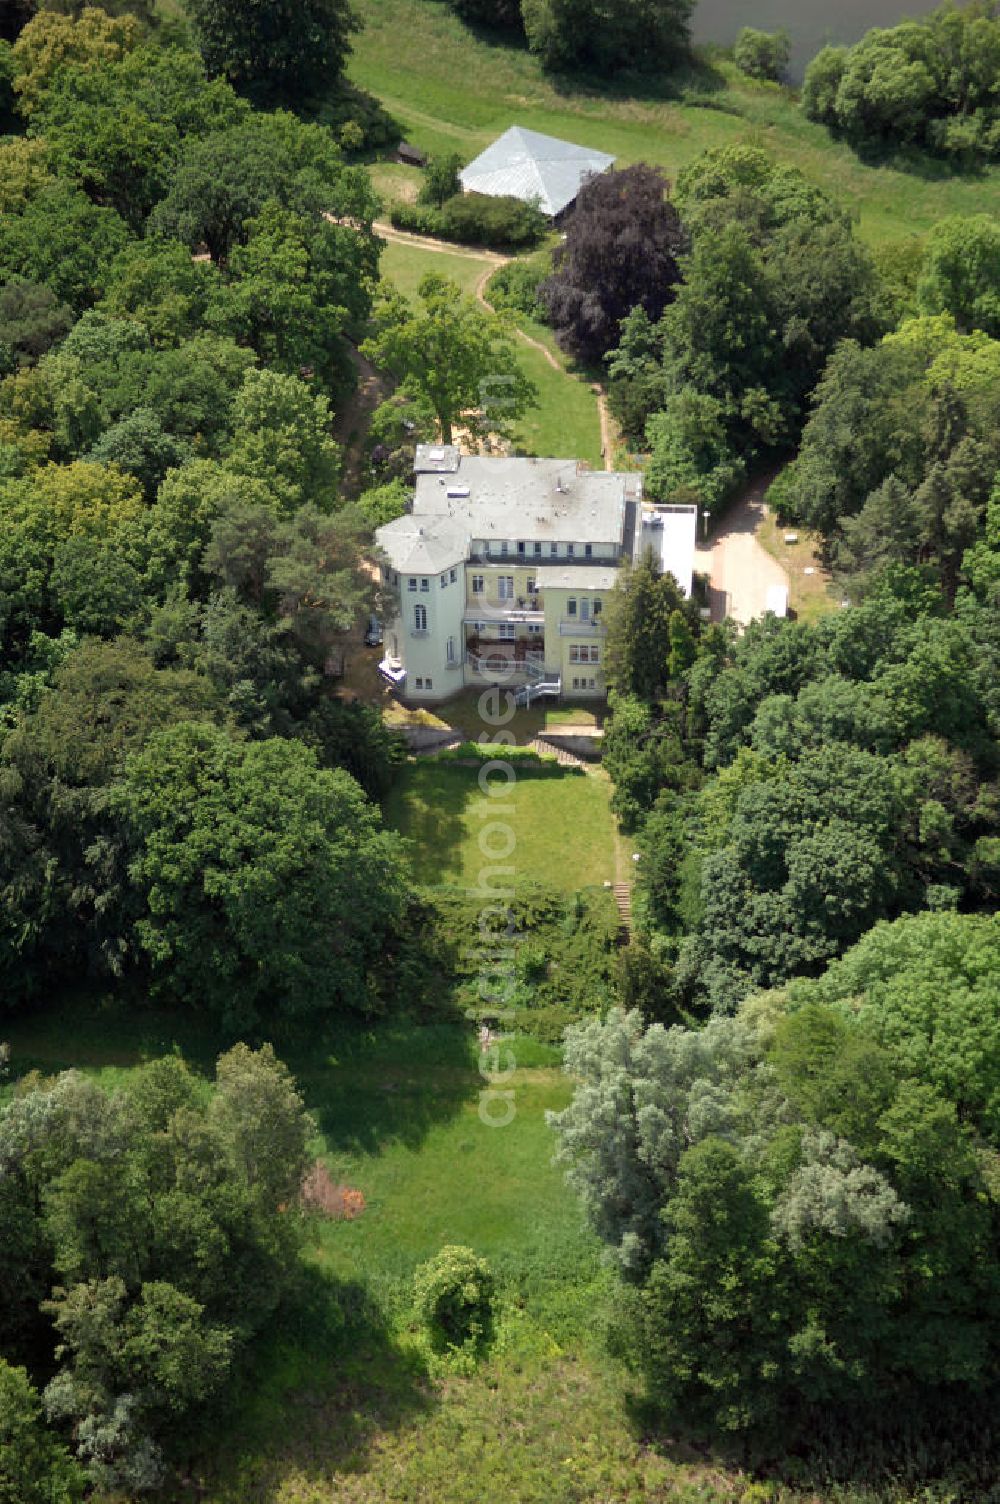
(522, 609)
(581, 626)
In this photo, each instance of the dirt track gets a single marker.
(494, 260)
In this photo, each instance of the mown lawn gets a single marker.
(406, 265)
(565, 424)
(453, 90)
(560, 819)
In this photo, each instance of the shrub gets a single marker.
(478, 218)
(514, 288)
(475, 219)
(763, 54)
(453, 1295)
(419, 219)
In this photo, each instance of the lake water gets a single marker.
(809, 23)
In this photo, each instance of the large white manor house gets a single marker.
(503, 567)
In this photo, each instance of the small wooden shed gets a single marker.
(410, 156)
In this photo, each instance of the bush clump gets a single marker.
(453, 1296)
(514, 288)
(475, 219)
(763, 54)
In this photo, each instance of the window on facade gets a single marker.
(538, 550)
(412, 583)
(505, 587)
(419, 683)
(420, 618)
(530, 586)
(452, 576)
(536, 628)
(477, 584)
(597, 608)
(553, 550)
(450, 650)
(429, 683)
(570, 550)
(444, 581)
(503, 548)
(520, 549)
(588, 550)
(425, 584)
(574, 656)
(571, 607)
(508, 631)
(584, 610)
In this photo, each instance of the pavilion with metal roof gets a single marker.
(527, 165)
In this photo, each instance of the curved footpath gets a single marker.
(494, 260)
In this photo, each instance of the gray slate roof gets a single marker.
(421, 545)
(535, 500)
(528, 165)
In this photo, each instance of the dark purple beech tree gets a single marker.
(623, 238)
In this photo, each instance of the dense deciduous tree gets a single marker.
(800, 1193)
(35, 1468)
(763, 54)
(51, 43)
(223, 180)
(457, 356)
(637, 34)
(64, 241)
(623, 237)
(961, 272)
(164, 1212)
(253, 856)
(286, 50)
(931, 82)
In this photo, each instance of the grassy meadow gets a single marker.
(455, 90)
(345, 1404)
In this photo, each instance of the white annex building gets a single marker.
(502, 569)
(530, 166)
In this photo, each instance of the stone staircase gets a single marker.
(552, 749)
(623, 898)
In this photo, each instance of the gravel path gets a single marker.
(740, 570)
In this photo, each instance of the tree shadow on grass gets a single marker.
(314, 1399)
(946, 1443)
(915, 161)
(389, 1084)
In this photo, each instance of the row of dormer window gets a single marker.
(504, 549)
